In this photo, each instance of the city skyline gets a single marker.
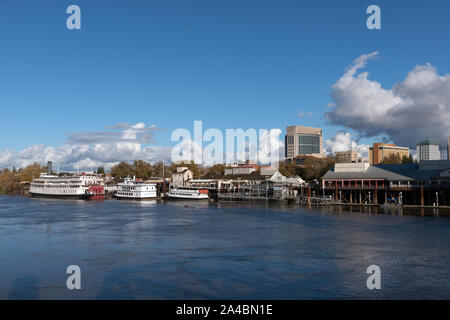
(118, 87)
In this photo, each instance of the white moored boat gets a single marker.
(132, 189)
(186, 193)
(77, 186)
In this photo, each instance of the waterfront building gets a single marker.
(421, 183)
(301, 140)
(182, 176)
(246, 167)
(347, 156)
(240, 170)
(381, 151)
(428, 150)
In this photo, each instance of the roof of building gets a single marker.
(400, 172)
(428, 142)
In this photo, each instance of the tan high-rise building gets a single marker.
(301, 140)
(347, 156)
(380, 151)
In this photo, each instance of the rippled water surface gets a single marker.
(200, 250)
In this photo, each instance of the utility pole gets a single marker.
(267, 188)
(164, 174)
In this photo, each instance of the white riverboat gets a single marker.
(187, 193)
(79, 186)
(137, 190)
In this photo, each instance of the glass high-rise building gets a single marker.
(301, 140)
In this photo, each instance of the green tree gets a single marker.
(101, 170)
(142, 169)
(122, 170)
(215, 172)
(406, 159)
(158, 170)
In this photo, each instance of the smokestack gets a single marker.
(49, 168)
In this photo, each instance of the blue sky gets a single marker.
(232, 64)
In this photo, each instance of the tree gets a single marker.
(392, 159)
(122, 170)
(215, 172)
(158, 170)
(10, 182)
(315, 168)
(289, 169)
(406, 159)
(101, 170)
(142, 169)
(30, 172)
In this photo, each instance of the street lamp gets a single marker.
(437, 199)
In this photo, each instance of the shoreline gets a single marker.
(337, 207)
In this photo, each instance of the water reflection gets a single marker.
(184, 250)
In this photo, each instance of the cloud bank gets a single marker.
(343, 142)
(414, 109)
(89, 150)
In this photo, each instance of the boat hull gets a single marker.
(131, 198)
(184, 198)
(59, 196)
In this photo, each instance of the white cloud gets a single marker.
(268, 149)
(83, 151)
(343, 142)
(303, 114)
(414, 109)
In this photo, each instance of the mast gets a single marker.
(164, 175)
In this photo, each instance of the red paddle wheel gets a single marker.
(96, 193)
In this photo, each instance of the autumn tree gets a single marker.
(30, 172)
(10, 182)
(289, 169)
(314, 168)
(392, 159)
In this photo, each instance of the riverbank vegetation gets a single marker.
(13, 181)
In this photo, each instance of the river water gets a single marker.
(201, 250)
